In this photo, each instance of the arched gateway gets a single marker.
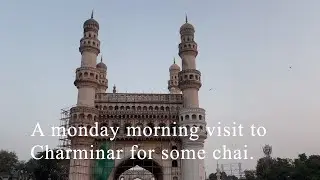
(180, 108)
(149, 169)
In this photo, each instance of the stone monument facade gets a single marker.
(180, 107)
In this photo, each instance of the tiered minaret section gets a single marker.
(85, 114)
(103, 80)
(191, 114)
(173, 83)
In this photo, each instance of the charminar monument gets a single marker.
(178, 108)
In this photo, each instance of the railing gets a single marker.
(139, 98)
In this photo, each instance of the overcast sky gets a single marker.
(246, 49)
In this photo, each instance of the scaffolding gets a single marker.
(64, 141)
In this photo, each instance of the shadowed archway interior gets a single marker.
(147, 164)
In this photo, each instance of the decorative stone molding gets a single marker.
(189, 117)
(139, 98)
(188, 144)
(138, 115)
(122, 137)
(86, 76)
(89, 70)
(103, 83)
(188, 48)
(189, 78)
(94, 26)
(187, 31)
(77, 141)
(87, 45)
(186, 84)
(173, 83)
(192, 110)
(89, 49)
(189, 72)
(192, 115)
(93, 29)
(83, 109)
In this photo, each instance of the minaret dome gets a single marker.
(174, 66)
(102, 65)
(187, 28)
(91, 24)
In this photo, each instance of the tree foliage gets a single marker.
(8, 161)
(303, 167)
(42, 168)
(224, 176)
(300, 168)
(250, 174)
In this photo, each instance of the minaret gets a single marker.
(103, 80)
(84, 114)
(191, 115)
(173, 86)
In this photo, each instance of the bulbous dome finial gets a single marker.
(101, 65)
(174, 66)
(187, 27)
(91, 23)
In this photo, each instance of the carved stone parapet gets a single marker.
(78, 141)
(192, 115)
(173, 83)
(84, 109)
(186, 84)
(192, 110)
(124, 137)
(189, 144)
(83, 116)
(139, 98)
(187, 31)
(85, 83)
(188, 48)
(86, 76)
(189, 74)
(190, 123)
(103, 83)
(189, 78)
(139, 114)
(91, 28)
(189, 71)
(89, 44)
(89, 49)
(88, 70)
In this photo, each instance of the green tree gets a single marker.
(8, 161)
(232, 177)
(42, 168)
(307, 168)
(300, 168)
(274, 169)
(250, 174)
(212, 176)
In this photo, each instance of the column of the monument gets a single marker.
(80, 164)
(193, 169)
(85, 114)
(167, 172)
(191, 115)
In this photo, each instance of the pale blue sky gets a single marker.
(245, 50)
